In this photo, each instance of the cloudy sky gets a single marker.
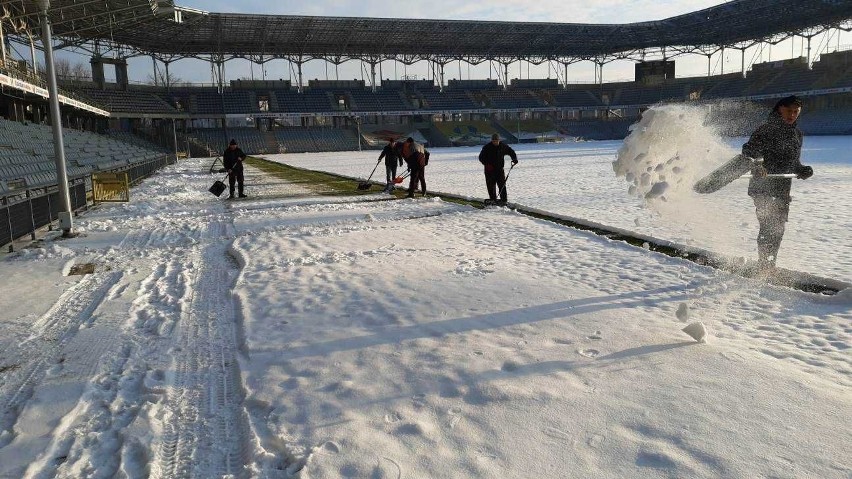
(570, 11)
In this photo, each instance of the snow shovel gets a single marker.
(365, 185)
(503, 189)
(400, 179)
(218, 187)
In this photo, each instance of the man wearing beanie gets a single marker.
(492, 158)
(777, 146)
(232, 159)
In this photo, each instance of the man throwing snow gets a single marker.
(492, 158)
(778, 142)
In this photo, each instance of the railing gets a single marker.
(23, 211)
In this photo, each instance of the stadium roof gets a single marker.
(160, 28)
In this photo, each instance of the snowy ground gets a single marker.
(345, 337)
(577, 179)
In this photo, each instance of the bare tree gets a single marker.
(80, 71)
(162, 80)
(62, 67)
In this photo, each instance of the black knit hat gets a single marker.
(233, 142)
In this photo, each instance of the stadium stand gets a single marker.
(560, 97)
(250, 140)
(282, 139)
(827, 122)
(128, 101)
(513, 99)
(433, 99)
(381, 100)
(26, 153)
(596, 129)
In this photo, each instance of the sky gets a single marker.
(572, 11)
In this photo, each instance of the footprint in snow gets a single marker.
(393, 417)
(589, 353)
(596, 336)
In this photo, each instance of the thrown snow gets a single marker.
(329, 337)
(667, 151)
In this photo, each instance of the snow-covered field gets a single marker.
(577, 179)
(335, 337)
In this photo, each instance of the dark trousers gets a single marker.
(417, 175)
(236, 176)
(772, 215)
(390, 172)
(495, 181)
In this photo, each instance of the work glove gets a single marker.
(758, 170)
(804, 173)
(514, 162)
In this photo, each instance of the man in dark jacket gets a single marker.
(417, 159)
(391, 158)
(777, 146)
(492, 158)
(232, 160)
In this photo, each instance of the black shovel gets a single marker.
(218, 187)
(365, 185)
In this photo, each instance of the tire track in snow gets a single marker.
(205, 427)
(92, 440)
(43, 351)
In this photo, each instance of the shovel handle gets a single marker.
(774, 175)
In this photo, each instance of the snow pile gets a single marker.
(668, 150)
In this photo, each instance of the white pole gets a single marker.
(65, 216)
(2, 44)
(358, 124)
(174, 136)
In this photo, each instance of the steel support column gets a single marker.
(65, 215)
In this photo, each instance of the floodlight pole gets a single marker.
(358, 124)
(65, 216)
(3, 44)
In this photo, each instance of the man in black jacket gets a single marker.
(778, 142)
(232, 160)
(391, 158)
(417, 159)
(492, 158)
